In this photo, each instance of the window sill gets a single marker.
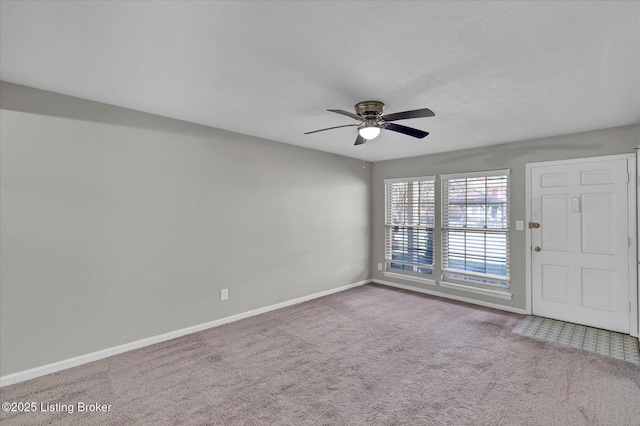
(497, 293)
(413, 278)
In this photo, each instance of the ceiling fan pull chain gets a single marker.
(363, 154)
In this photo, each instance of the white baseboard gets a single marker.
(451, 296)
(104, 353)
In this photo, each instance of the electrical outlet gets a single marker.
(379, 266)
(224, 294)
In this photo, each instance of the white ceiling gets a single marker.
(493, 72)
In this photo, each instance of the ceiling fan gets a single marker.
(369, 113)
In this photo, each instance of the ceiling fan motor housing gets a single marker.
(369, 109)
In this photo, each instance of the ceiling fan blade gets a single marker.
(360, 140)
(347, 113)
(406, 130)
(416, 113)
(329, 128)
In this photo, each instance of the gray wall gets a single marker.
(514, 156)
(118, 225)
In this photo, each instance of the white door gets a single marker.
(580, 251)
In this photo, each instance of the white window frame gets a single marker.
(398, 273)
(473, 281)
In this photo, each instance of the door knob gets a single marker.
(536, 248)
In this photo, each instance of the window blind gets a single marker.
(409, 222)
(475, 228)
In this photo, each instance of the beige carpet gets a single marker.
(368, 356)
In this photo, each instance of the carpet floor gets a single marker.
(372, 355)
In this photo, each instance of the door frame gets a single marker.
(631, 223)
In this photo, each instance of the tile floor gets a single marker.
(602, 342)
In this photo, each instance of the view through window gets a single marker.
(475, 228)
(410, 218)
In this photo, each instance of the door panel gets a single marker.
(581, 272)
(555, 234)
(596, 223)
(596, 177)
(555, 280)
(597, 289)
(552, 180)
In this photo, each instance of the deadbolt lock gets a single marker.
(533, 225)
(536, 248)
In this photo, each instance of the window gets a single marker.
(475, 228)
(409, 222)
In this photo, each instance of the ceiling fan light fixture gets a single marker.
(369, 130)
